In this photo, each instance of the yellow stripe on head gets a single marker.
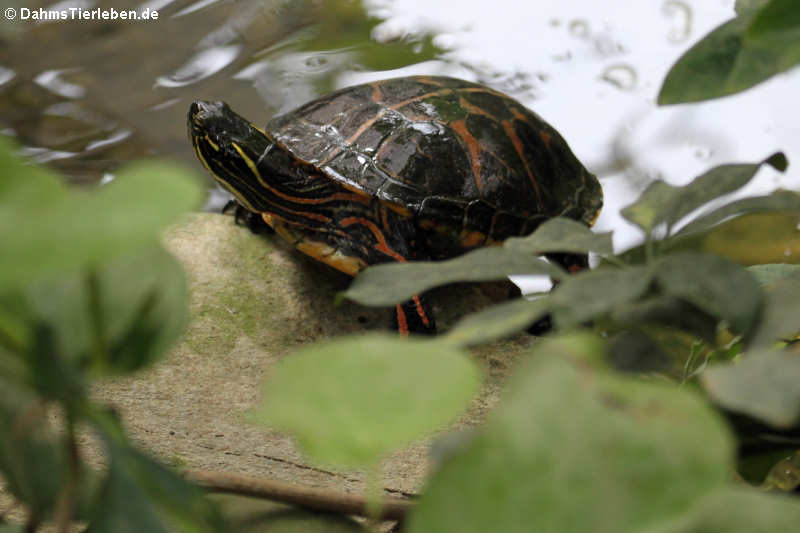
(249, 162)
(211, 143)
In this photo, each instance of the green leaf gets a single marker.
(779, 318)
(587, 295)
(142, 306)
(662, 203)
(667, 311)
(46, 230)
(777, 17)
(740, 510)
(497, 321)
(32, 457)
(24, 183)
(393, 283)
(762, 384)
(569, 442)
(353, 400)
(736, 55)
(139, 494)
(715, 285)
(562, 235)
(777, 201)
(748, 5)
(119, 318)
(634, 351)
(255, 515)
(768, 274)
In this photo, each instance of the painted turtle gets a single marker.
(411, 168)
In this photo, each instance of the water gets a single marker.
(86, 96)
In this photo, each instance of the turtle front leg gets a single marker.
(244, 217)
(414, 316)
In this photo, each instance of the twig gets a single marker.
(301, 496)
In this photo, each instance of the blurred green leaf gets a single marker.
(767, 274)
(24, 183)
(562, 235)
(139, 494)
(737, 55)
(497, 321)
(143, 309)
(589, 294)
(662, 203)
(32, 457)
(763, 384)
(777, 17)
(779, 317)
(648, 210)
(633, 350)
(353, 400)
(392, 283)
(713, 284)
(47, 230)
(740, 510)
(747, 5)
(670, 312)
(568, 442)
(255, 515)
(121, 317)
(776, 202)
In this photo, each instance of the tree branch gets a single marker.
(301, 496)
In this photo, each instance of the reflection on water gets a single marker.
(86, 96)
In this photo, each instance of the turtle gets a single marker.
(403, 169)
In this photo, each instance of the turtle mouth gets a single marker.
(211, 121)
(229, 147)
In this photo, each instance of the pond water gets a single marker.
(85, 96)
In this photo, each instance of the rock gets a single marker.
(253, 301)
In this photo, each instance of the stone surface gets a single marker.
(255, 300)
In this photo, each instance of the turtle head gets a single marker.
(231, 148)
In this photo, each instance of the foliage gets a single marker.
(572, 437)
(411, 373)
(659, 284)
(86, 291)
(761, 41)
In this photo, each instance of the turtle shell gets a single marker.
(453, 153)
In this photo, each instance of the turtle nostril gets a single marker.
(203, 109)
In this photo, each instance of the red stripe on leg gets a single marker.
(402, 322)
(421, 311)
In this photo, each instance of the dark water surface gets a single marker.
(86, 96)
